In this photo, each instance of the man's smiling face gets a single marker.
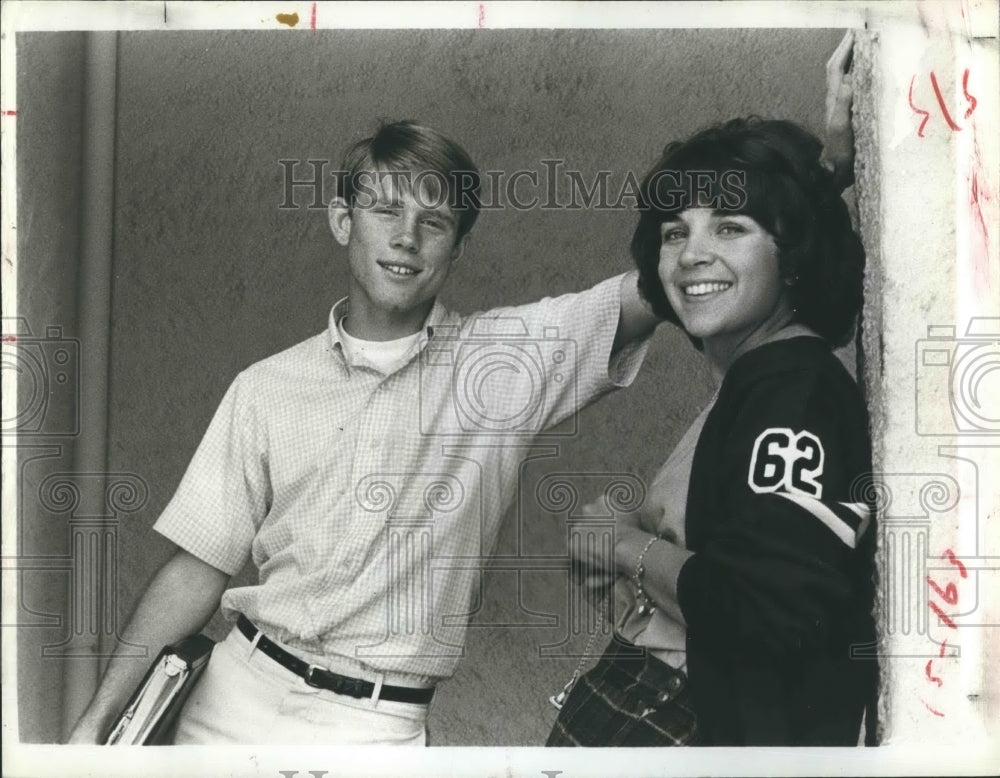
(401, 244)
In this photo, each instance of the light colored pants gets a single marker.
(245, 697)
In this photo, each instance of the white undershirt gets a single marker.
(383, 355)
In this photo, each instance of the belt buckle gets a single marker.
(334, 682)
(308, 677)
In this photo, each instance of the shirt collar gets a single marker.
(438, 315)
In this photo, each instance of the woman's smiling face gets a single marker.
(721, 275)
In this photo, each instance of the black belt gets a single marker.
(322, 678)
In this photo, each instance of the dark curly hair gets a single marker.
(770, 171)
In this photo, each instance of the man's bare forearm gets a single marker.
(179, 601)
(636, 319)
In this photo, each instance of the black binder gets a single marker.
(154, 705)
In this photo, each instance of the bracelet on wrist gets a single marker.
(646, 607)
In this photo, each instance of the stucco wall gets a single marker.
(927, 183)
(209, 274)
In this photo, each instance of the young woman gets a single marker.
(745, 581)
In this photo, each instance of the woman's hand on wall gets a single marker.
(838, 149)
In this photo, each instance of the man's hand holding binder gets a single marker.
(154, 706)
(179, 601)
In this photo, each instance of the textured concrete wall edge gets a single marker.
(869, 198)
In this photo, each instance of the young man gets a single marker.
(318, 455)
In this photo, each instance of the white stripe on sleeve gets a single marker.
(821, 511)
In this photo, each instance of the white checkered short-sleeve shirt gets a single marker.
(361, 496)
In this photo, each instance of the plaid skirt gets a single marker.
(629, 698)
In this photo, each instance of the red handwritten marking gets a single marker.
(981, 249)
(935, 712)
(950, 556)
(973, 102)
(949, 594)
(940, 99)
(942, 615)
(10, 339)
(312, 18)
(978, 190)
(921, 111)
(934, 678)
(10, 113)
(482, 16)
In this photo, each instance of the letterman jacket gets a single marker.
(778, 594)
